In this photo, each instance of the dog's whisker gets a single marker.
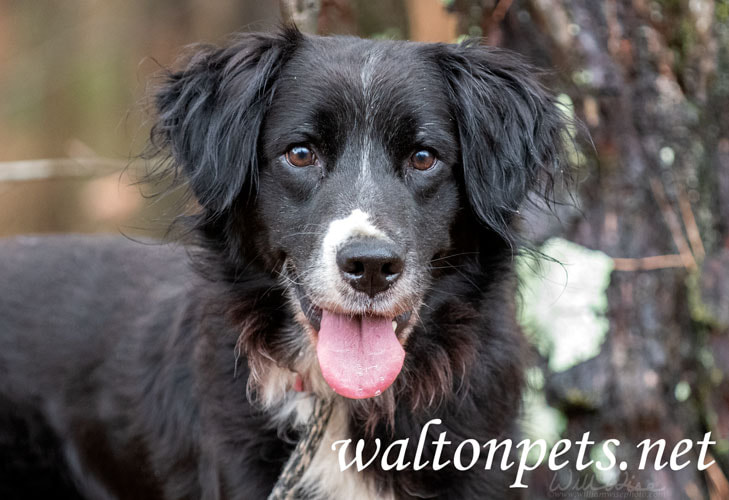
(449, 266)
(451, 256)
(316, 233)
(287, 279)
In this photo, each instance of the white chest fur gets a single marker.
(324, 480)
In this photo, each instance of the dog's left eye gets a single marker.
(422, 160)
(301, 156)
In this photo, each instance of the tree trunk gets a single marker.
(650, 81)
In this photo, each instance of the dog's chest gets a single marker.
(323, 479)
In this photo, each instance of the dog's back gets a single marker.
(71, 374)
(87, 294)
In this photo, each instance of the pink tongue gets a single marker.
(359, 357)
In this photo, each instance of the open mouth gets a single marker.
(359, 355)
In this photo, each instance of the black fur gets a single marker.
(123, 369)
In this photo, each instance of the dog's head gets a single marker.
(348, 168)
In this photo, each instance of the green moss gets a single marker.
(700, 312)
(721, 11)
(670, 5)
(722, 446)
(687, 35)
(462, 38)
(578, 399)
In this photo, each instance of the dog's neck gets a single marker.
(289, 484)
(321, 478)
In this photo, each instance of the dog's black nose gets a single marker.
(370, 266)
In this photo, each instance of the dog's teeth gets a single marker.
(394, 325)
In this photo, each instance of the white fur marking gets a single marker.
(364, 168)
(340, 230)
(366, 76)
(323, 477)
(277, 381)
(368, 70)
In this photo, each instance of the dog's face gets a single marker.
(358, 186)
(355, 158)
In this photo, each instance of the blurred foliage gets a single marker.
(76, 75)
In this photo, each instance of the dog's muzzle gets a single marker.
(360, 354)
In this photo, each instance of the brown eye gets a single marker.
(422, 160)
(300, 156)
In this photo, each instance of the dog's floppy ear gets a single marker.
(210, 113)
(510, 130)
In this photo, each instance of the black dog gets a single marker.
(359, 203)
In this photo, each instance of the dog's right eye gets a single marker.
(301, 156)
(423, 159)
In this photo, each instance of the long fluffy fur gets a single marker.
(461, 363)
(465, 355)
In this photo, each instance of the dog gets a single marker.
(358, 217)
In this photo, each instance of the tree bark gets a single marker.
(650, 81)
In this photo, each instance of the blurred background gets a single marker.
(630, 331)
